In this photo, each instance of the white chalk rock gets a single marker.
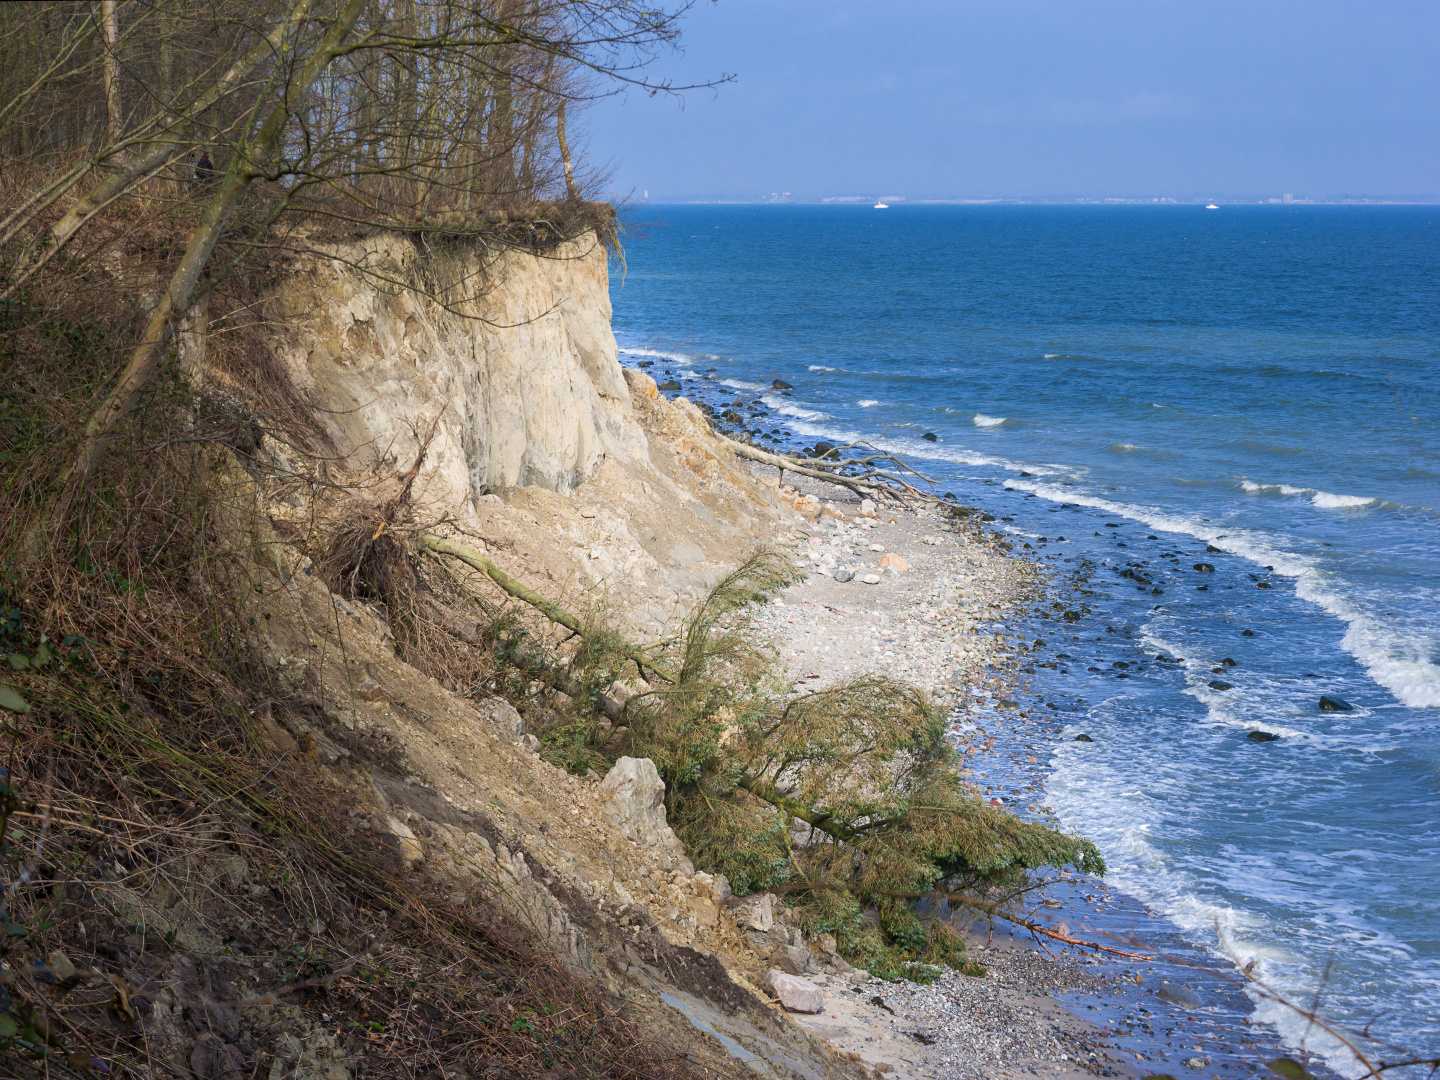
(502, 716)
(793, 992)
(637, 804)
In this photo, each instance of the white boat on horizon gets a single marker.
(1212, 206)
(882, 206)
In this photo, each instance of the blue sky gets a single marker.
(1039, 98)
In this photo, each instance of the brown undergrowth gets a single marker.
(180, 900)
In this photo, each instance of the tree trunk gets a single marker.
(244, 168)
(110, 29)
(571, 191)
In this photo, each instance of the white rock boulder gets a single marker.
(637, 805)
(793, 992)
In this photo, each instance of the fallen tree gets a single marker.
(865, 766)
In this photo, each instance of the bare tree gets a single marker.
(428, 116)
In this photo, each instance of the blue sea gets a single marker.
(1252, 388)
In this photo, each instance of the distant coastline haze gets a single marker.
(1038, 100)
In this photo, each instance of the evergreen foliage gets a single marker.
(850, 797)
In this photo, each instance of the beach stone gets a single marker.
(867, 508)
(871, 579)
(891, 561)
(1330, 703)
(781, 384)
(1082, 737)
(1263, 736)
(1216, 684)
(793, 992)
(843, 575)
(808, 506)
(1179, 995)
(1204, 568)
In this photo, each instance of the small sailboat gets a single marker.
(1212, 206)
(882, 205)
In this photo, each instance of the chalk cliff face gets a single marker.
(566, 470)
(511, 360)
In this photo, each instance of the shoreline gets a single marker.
(951, 622)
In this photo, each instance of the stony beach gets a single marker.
(955, 606)
(937, 586)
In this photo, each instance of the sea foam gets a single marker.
(659, 354)
(1323, 499)
(1399, 659)
(981, 420)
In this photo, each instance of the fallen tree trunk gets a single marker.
(974, 902)
(863, 486)
(551, 610)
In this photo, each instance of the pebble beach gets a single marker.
(949, 603)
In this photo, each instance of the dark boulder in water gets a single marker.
(1228, 662)
(1179, 995)
(1329, 703)
(1247, 633)
(929, 436)
(1263, 736)
(1083, 738)
(1214, 549)
(670, 384)
(781, 384)
(824, 449)
(1216, 684)
(1204, 568)
(1262, 585)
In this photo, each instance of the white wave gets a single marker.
(736, 384)
(1101, 799)
(1396, 658)
(1326, 501)
(820, 367)
(1052, 356)
(981, 420)
(659, 354)
(787, 408)
(1323, 499)
(867, 403)
(1126, 446)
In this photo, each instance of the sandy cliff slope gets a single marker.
(585, 484)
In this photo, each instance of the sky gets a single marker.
(1023, 99)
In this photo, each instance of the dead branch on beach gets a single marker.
(992, 909)
(1348, 1039)
(830, 468)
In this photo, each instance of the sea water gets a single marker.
(1255, 389)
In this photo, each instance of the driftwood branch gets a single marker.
(871, 482)
(969, 901)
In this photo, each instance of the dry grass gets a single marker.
(155, 814)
